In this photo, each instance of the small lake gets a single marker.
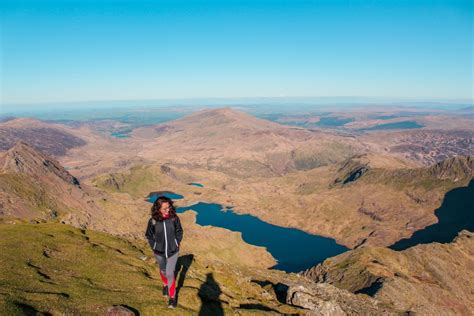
(333, 121)
(394, 125)
(294, 249)
(154, 195)
(196, 184)
(120, 135)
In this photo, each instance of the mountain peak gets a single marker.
(23, 158)
(225, 117)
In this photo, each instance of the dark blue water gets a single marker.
(154, 195)
(196, 184)
(294, 249)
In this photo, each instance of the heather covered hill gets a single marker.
(52, 139)
(425, 146)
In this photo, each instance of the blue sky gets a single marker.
(54, 51)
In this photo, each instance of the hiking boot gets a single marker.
(165, 290)
(172, 303)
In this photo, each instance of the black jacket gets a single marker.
(164, 241)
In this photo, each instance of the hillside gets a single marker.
(34, 185)
(426, 146)
(431, 279)
(51, 139)
(241, 145)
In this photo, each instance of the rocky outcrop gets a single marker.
(455, 168)
(326, 299)
(23, 158)
(120, 311)
(115, 181)
(351, 170)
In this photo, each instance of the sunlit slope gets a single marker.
(56, 268)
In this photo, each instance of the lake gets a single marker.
(394, 125)
(294, 249)
(120, 135)
(154, 195)
(333, 121)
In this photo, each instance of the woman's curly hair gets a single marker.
(155, 209)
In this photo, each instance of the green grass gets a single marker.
(32, 193)
(136, 181)
(55, 268)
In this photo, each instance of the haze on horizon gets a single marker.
(53, 51)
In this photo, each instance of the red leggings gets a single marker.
(167, 267)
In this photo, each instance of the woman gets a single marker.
(164, 234)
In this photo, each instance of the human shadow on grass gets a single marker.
(182, 267)
(209, 293)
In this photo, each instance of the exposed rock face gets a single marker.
(454, 168)
(22, 158)
(430, 279)
(115, 181)
(351, 170)
(325, 299)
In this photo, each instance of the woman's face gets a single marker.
(165, 208)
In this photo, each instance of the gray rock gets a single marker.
(120, 311)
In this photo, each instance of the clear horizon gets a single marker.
(104, 51)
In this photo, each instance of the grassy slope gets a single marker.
(56, 268)
(29, 196)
